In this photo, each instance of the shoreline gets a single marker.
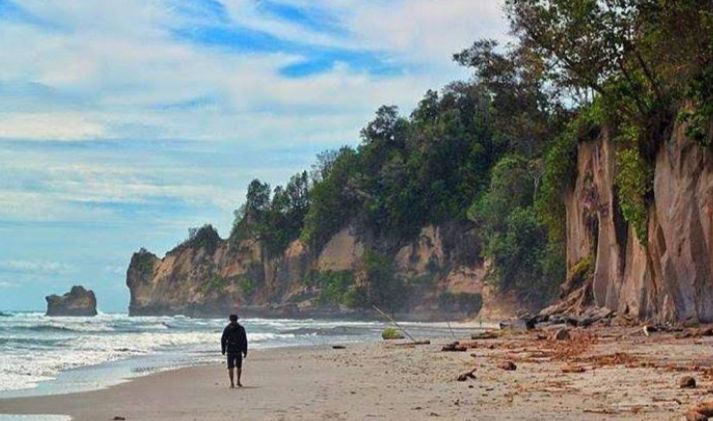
(161, 343)
(102, 374)
(624, 374)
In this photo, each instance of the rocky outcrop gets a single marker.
(666, 277)
(207, 276)
(77, 302)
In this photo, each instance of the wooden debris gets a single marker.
(695, 333)
(467, 375)
(687, 382)
(338, 347)
(507, 365)
(571, 368)
(412, 344)
(395, 323)
(488, 334)
(454, 347)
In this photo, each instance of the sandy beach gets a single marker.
(624, 375)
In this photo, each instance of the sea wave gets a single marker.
(35, 348)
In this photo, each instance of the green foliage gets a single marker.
(247, 285)
(519, 254)
(515, 238)
(333, 203)
(634, 181)
(391, 333)
(215, 283)
(383, 288)
(581, 271)
(335, 287)
(560, 169)
(143, 262)
(275, 219)
(511, 186)
(205, 237)
(644, 59)
(699, 117)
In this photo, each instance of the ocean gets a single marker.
(42, 355)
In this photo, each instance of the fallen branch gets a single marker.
(467, 375)
(488, 334)
(394, 322)
(414, 343)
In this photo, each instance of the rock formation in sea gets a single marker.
(77, 302)
(667, 276)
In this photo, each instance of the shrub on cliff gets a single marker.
(334, 287)
(205, 237)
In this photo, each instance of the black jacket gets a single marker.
(234, 339)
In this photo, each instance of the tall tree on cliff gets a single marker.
(647, 62)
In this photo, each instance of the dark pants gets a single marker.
(235, 359)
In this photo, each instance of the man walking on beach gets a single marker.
(235, 342)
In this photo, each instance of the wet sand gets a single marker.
(627, 375)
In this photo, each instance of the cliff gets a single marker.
(666, 277)
(77, 302)
(440, 276)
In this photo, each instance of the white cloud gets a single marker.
(33, 266)
(119, 64)
(8, 285)
(46, 125)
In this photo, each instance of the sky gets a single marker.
(125, 122)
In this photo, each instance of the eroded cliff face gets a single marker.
(667, 277)
(208, 276)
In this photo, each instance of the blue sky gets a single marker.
(124, 122)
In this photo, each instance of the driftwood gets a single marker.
(454, 347)
(410, 344)
(571, 368)
(488, 334)
(695, 333)
(394, 322)
(507, 365)
(467, 375)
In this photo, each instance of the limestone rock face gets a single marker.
(665, 277)
(77, 302)
(208, 276)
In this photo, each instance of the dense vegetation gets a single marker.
(500, 149)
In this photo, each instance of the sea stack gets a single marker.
(77, 302)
